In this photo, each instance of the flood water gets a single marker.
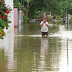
(25, 50)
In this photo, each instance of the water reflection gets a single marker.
(8, 47)
(9, 50)
(44, 47)
(43, 52)
(25, 50)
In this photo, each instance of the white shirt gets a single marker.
(44, 28)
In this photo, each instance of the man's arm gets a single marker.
(47, 24)
(41, 23)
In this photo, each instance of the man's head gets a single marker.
(44, 18)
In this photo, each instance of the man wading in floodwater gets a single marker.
(44, 27)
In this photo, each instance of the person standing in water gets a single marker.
(44, 27)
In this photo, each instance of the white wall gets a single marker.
(10, 15)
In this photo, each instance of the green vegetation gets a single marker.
(17, 3)
(70, 23)
(4, 18)
(63, 7)
(25, 19)
(57, 7)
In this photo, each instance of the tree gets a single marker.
(70, 7)
(17, 3)
(63, 7)
(57, 7)
(35, 6)
(53, 6)
(26, 9)
(44, 5)
(27, 6)
(4, 18)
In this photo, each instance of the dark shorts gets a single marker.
(44, 33)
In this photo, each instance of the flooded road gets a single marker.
(25, 50)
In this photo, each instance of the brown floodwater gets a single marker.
(25, 50)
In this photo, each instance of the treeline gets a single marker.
(57, 7)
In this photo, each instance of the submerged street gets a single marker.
(25, 50)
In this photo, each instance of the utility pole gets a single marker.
(67, 12)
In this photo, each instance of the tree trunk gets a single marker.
(27, 8)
